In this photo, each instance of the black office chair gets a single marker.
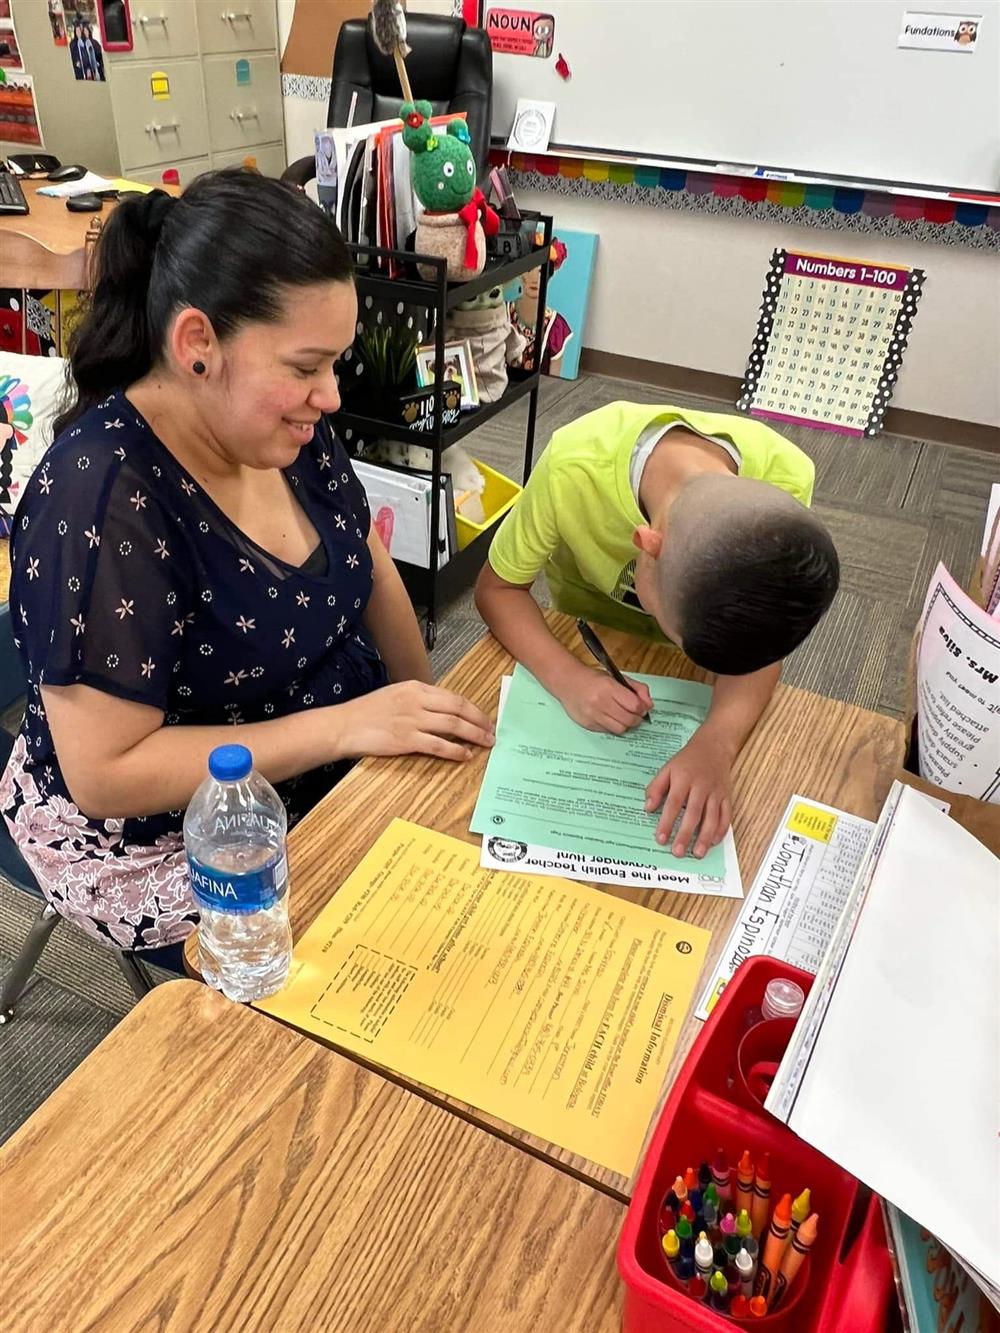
(450, 65)
(14, 868)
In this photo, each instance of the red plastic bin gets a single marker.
(846, 1285)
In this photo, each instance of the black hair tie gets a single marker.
(151, 212)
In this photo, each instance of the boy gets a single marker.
(667, 522)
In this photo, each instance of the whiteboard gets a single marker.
(808, 86)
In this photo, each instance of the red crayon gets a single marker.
(687, 1211)
(690, 1179)
(668, 1219)
(697, 1288)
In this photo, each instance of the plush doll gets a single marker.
(457, 218)
(556, 332)
(467, 481)
(495, 343)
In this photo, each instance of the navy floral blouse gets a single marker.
(128, 578)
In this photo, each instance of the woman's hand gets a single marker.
(411, 718)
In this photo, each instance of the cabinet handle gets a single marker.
(244, 115)
(154, 128)
(143, 19)
(231, 17)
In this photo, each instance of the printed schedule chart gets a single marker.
(830, 341)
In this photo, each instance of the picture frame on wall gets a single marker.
(116, 24)
(459, 368)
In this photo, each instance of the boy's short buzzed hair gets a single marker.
(754, 588)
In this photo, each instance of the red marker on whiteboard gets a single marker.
(562, 68)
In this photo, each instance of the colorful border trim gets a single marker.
(840, 208)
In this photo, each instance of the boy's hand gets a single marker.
(599, 703)
(696, 780)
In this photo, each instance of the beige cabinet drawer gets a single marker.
(152, 129)
(269, 158)
(186, 172)
(239, 25)
(161, 30)
(243, 113)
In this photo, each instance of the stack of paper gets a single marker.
(892, 1070)
(400, 504)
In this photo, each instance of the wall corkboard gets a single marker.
(313, 34)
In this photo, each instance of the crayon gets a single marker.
(671, 1201)
(685, 1268)
(704, 1176)
(711, 1194)
(800, 1210)
(698, 1288)
(753, 1249)
(687, 1211)
(687, 1249)
(684, 1230)
(744, 1265)
(722, 1176)
(671, 1248)
(800, 1245)
(690, 1179)
(728, 1225)
(733, 1280)
(743, 1224)
(695, 1200)
(774, 1248)
(758, 1307)
(703, 1257)
(711, 1215)
(740, 1308)
(667, 1217)
(744, 1183)
(761, 1196)
(720, 1257)
(680, 1190)
(719, 1291)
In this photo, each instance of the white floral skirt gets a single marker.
(131, 896)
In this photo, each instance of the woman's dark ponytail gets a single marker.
(111, 345)
(228, 246)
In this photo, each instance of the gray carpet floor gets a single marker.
(895, 506)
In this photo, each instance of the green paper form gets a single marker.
(553, 783)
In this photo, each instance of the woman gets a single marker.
(194, 561)
(556, 332)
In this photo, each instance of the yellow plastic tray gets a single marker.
(498, 496)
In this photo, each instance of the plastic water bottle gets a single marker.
(234, 834)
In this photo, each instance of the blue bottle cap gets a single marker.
(230, 763)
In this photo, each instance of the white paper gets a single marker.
(88, 183)
(405, 529)
(892, 1070)
(505, 854)
(992, 507)
(532, 127)
(940, 32)
(798, 894)
(958, 695)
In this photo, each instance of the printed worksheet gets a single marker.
(551, 783)
(800, 890)
(546, 1003)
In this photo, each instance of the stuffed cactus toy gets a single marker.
(443, 171)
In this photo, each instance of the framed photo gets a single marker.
(116, 24)
(459, 368)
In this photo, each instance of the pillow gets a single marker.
(32, 389)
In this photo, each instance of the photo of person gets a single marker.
(543, 30)
(57, 22)
(459, 369)
(85, 53)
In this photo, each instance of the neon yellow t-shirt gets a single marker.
(577, 514)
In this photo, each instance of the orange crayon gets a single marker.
(744, 1183)
(690, 1179)
(774, 1248)
(740, 1308)
(758, 1307)
(680, 1189)
(761, 1195)
(801, 1244)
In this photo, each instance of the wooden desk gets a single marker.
(833, 752)
(47, 247)
(207, 1168)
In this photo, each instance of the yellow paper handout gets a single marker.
(551, 1005)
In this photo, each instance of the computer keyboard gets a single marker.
(12, 198)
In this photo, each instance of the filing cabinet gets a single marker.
(201, 88)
